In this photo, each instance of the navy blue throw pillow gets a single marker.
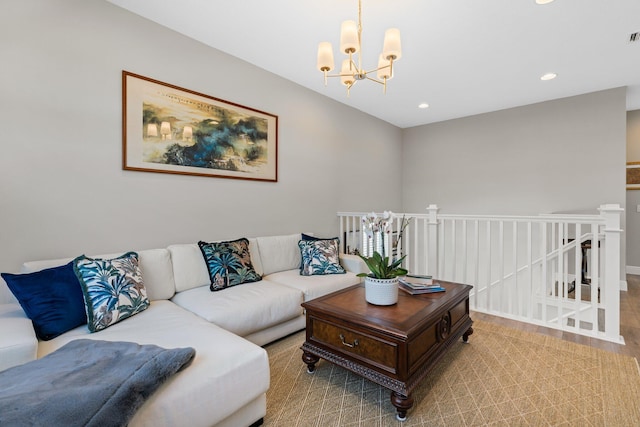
(307, 237)
(51, 298)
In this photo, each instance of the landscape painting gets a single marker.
(633, 175)
(175, 130)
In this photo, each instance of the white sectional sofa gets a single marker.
(227, 381)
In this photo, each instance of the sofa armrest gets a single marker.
(18, 342)
(353, 263)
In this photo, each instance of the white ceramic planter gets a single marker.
(381, 291)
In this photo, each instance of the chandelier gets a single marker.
(351, 44)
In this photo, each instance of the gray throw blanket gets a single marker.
(87, 383)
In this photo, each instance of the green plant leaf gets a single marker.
(380, 267)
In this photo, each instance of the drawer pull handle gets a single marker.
(355, 343)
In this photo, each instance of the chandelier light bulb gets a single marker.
(384, 68)
(392, 47)
(346, 74)
(349, 42)
(325, 57)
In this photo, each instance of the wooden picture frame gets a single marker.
(169, 129)
(633, 176)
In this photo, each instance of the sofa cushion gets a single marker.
(256, 257)
(113, 289)
(51, 298)
(190, 270)
(155, 265)
(228, 263)
(227, 373)
(243, 309)
(313, 286)
(157, 273)
(18, 341)
(320, 256)
(279, 253)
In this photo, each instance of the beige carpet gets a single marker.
(503, 377)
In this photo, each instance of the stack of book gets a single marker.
(415, 285)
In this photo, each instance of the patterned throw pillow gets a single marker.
(313, 238)
(229, 263)
(113, 289)
(320, 257)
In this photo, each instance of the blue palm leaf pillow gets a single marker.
(112, 288)
(320, 257)
(229, 263)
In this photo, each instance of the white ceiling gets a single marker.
(462, 57)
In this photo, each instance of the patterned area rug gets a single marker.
(502, 377)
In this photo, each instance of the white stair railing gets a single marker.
(558, 271)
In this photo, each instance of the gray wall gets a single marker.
(563, 155)
(62, 189)
(566, 155)
(633, 196)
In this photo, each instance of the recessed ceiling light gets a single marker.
(543, 1)
(423, 105)
(548, 76)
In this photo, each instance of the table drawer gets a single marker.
(429, 340)
(367, 348)
(459, 312)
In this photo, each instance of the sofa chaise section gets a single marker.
(229, 374)
(226, 383)
(18, 342)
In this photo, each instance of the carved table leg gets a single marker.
(402, 404)
(310, 360)
(465, 336)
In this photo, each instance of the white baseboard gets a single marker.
(623, 285)
(631, 269)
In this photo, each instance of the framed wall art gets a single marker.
(633, 176)
(170, 129)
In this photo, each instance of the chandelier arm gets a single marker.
(340, 75)
(375, 80)
(357, 68)
(349, 86)
(373, 70)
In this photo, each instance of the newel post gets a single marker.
(432, 241)
(611, 286)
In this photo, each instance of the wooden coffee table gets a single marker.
(394, 346)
